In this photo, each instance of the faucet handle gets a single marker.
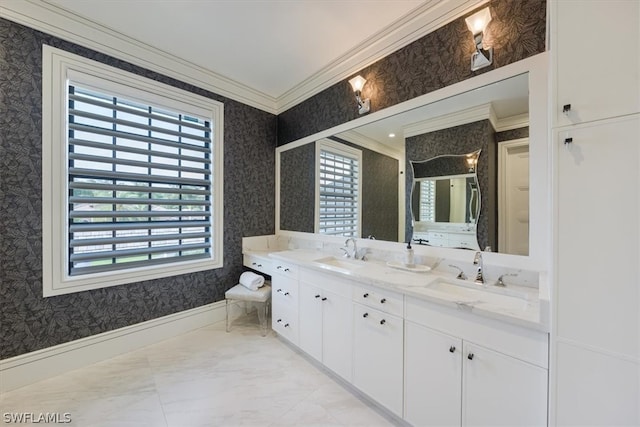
(500, 281)
(461, 274)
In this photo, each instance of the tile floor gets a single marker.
(204, 378)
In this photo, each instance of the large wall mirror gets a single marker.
(454, 172)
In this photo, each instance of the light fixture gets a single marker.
(477, 23)
(357, 83)
(392, 135)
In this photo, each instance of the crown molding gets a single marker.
(468, 115)
(513, 122)
(51, 19)
(421, 21)
(357, 138)
(59, 22)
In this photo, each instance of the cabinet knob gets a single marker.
(566, 108)
(259, 265)
(470, 356)
(324, 298)
(279, 291)
(279, 267)
(568, 141)
(383, 300)
(318, 296)
(452, 349)
(279, 321)
(286, 293)
(382, 322)
(286, 325)
(286, 269)
(365, 315)
(365, 296)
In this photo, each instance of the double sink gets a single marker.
(464, 293)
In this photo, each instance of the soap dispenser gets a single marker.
(408, 256)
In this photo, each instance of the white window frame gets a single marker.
(58, 67)
(343, 150)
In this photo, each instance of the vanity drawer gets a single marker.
(257, 263)
(284, 268)
(284, 291)
(380, 299)
(284, 321)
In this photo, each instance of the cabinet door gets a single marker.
(432, 377)
(337, 333)
(596, 389)
(310, 320)
(598, 236)
(499, 390)
(377, 356)
(597, 55)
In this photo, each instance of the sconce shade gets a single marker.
(478, 21)
(357, 83)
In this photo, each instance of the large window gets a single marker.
(338, 193)
(134, 173)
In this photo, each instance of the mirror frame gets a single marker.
(539, 153)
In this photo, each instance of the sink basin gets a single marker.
(476, 295)
(343, 265)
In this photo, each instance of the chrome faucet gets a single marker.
(461, 274)
(353, 254)
(477, 260)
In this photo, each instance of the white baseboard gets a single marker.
(31, 367)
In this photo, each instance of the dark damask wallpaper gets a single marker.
(462, 140)
(517, 31)
(508, 135)
(298, 188)
(30, 322)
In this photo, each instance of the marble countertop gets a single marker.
(519, 305)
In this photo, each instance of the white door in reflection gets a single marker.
(513, 199)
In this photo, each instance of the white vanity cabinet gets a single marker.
(598, 281)
(378, 335)
(596, 49)
(452, 380)
(258, 263)
(284, 300)
(595, 376)
(433, 378)
(325, 320)
(500, 390)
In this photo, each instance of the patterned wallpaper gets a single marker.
(517, 31)
(462, 140)
(298, 188)
(30, 322)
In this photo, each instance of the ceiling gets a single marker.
(270, 46)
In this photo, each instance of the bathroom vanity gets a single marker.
(429, 348)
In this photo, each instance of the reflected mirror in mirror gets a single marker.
(445, 201)
(493, 118)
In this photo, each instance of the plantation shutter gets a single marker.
(139, 184)
(339, 208)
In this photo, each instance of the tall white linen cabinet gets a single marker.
(595, 116)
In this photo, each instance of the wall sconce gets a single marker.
(357, 83)
(477, 24)
(472, 162)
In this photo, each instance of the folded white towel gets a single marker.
(251, 280)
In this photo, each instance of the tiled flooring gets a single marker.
(204, 378)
